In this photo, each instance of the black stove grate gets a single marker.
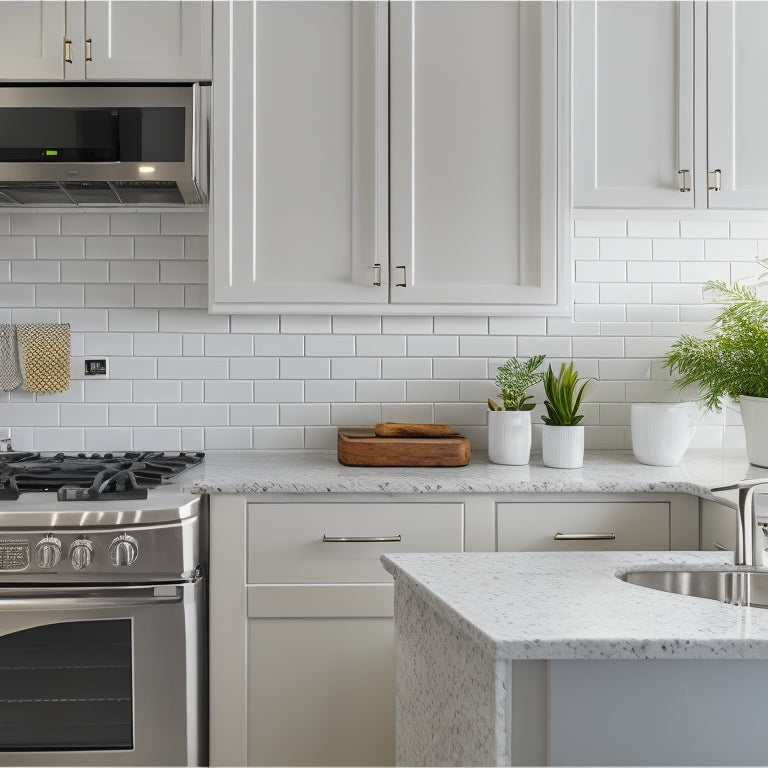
(89, 477)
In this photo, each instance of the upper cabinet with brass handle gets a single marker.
(80, 40)
(390, 193)
(641, 140)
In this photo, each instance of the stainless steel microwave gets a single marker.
(105, 145)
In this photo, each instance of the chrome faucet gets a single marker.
(748, 549)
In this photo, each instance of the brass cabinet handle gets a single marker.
(348, 539)
(585, 536)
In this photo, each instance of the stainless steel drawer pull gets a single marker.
(585, 536)
(720, 547)
(718, 174)
(685, 180)
(344, 539)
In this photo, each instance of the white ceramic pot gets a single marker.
(754, 414)
(509, 437)
(562, 447)
(662, 432)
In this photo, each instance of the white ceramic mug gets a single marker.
(662, 432)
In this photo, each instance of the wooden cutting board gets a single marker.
(360, 447)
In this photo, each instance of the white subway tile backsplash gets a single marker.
(154, 247)
(158, 296)
(134, 224)
(109, 247)
(182, 378)
(228, 392)
(56, 295)
(306, 367)
(35, 224)
(703, 228)
(17, 248)
(85, 223)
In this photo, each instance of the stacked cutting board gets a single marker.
(391, 444)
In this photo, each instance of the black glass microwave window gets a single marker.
(79, 134)
(67, 686)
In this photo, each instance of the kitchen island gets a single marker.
(525, 658)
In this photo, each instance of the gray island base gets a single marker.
(550, 659)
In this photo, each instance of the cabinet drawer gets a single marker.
(614, 526)
(297, 543)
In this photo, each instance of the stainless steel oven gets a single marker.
(102, 625)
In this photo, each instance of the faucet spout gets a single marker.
(748, 550)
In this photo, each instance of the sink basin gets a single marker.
(734, 587)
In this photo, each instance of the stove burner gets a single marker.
(88, 477)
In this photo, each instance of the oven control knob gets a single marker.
(48, 551)
(81, 554)
(123, 550)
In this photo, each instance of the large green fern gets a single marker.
(514, 379)
(733, 359)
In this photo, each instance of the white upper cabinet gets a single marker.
(633, 104)
(32, 40)
(156, 40)
(299, 201)
(473, 153)
(388, 157)
(737, 105)
(641, 140)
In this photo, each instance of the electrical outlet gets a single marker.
(96, 367)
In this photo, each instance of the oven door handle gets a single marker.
(45, 597)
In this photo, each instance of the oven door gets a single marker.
(102, 675)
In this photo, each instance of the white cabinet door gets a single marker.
(633, 104)
(555, 526)
(737, 106)
(148, 40)
(32, 39)
(299, 155)
(473, 153)
(321, 689)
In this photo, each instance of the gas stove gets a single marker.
(90, 477)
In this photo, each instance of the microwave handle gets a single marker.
(42, 598)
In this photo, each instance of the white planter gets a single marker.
(754, 414)
(662, 432)
(562, 447)
(509, 437)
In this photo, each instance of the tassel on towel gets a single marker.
(44, 352)
(10, 371)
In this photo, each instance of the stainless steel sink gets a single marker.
(735, 587)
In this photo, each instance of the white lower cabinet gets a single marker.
(553, 526)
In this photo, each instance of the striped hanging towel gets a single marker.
(10, 372)
(44, 352)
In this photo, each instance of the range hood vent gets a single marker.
(116, 145)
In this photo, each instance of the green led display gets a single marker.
(51, 152)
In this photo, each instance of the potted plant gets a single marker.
(509, 423)
(732, 362)
(562, 437)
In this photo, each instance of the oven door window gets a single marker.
(67, 686)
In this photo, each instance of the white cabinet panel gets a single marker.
(299, 154)
(534, 526)
(633, 104)
(473, 153)
(147, 39)
(737, 107)
(32, 39)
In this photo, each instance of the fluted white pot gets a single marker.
(509, 437)
(754, 414)
(562, 447)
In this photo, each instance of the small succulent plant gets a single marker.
(514, 379)
(563, 396)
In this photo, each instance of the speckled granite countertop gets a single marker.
(319, 472)
(570, 605)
